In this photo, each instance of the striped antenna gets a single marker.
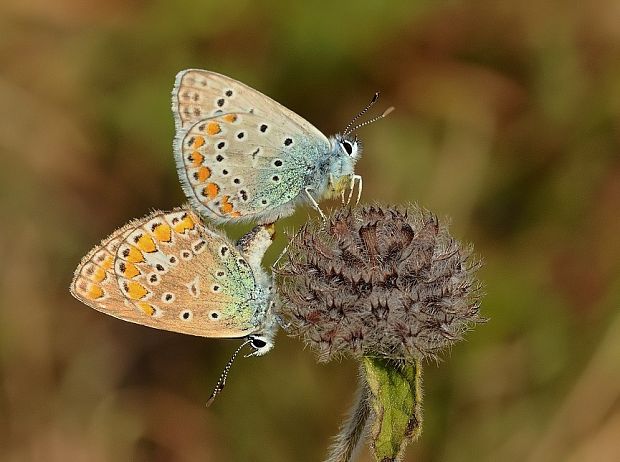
(385, 114)
(362, 112)
(222, 380)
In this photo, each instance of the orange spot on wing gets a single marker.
(235, 214)
(98, 275)
(107, 262)
(147, 308)
(230, 118)
(94, 292)
(211, 190)
(196, 158)
(135, 290)
(147, 244)
(184, 224)
(204, 173)
(131, 270)
(226, 206)
(162, 232)
(199, 141)
(133, 255)
(213, 128)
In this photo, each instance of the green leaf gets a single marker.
(395, 400)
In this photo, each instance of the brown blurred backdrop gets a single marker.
(507, 121)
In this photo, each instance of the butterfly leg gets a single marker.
(355, 178)
(359, 189)
(314, 203)
(282, 323)
(275, 263)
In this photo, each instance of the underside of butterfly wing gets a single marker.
(170, 272)
(94, 282)
(240, 154)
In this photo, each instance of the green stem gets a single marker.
(396, 403)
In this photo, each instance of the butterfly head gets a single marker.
(263, 340)
(348, 146)
(345, 151)
(261, 344)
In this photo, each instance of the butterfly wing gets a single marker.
(94, 282)
(200, 94)
(168, 271)
(239, 153)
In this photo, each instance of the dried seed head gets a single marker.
(377, 281)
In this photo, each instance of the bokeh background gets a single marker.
(507, 121)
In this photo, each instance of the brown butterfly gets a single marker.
(169, 271)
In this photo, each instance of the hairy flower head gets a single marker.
(378, 281)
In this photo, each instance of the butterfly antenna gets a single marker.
(362, 112)
(385, 114)
(222, 380)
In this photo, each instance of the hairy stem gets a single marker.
(352, 429)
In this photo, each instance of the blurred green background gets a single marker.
(507, 121)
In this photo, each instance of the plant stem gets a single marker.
(352, 429)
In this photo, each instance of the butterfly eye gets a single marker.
(261, 343)
(258, 343)
(348, 147)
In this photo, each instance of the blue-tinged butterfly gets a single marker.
(242, 156)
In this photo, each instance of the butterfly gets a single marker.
(240, 155)
(169, 271)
